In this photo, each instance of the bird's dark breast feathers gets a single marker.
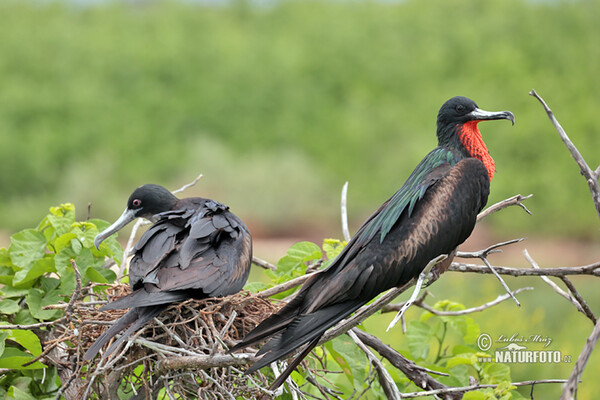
(199, 246)
(443, 219)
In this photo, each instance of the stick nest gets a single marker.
(183, 354)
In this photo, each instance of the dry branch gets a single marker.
(420, 302)
(511, 201)
(591, 176)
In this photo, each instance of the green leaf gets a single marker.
(110, 247)
(255, 286)
(27, 275)
(3, 336)
(10, 291)
(6, 275)
(27, 339)
(333, 247)
(86, 232)
(474, 396)
(9, 306)
(18, 394)
(94, 275)
(350, 358)
(63, 241)
(465, 358)
(296, 256)
(14, 358)
(418, 335)
(495, 373)
(36, 300)
(26, 247)
(5, 258)
(61, 218)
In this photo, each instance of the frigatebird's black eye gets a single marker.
(136, 203)
(460, 108)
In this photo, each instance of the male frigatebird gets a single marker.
(196, 248)
(432, 213)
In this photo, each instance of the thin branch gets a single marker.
(590, 176)
(140, 222)
(591, 269)
(553, 285)
(386, 380)
(264, 264)
(205, 361)
(464, 389)
(284, 286)
(344, 211)
(417, 289)
(511, 201)
(570, 388)
(421, 303)
(75, 296)
(483, 256)
(487, 251)
(586, 309)
(34, 326)
(414, 372)
(188, 185)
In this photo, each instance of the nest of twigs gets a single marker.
(183, 352)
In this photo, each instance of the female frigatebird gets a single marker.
(432, 213)
(196, 248)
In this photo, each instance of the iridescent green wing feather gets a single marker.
(433, 167)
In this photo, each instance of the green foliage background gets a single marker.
(279, 103)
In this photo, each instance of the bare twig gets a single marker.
(570, 388)
(285, 286)
(75, 296)
(33, 326)
(421, 303)
(511, 201)
(464, 389)
(344, 212)
(495, 248)
(415, 373)
(139, 223)
(386, 380)
(204, 361)
(591, 176)
(586, 309)
(553, 285)
(263, 263)
(188, 185)
(483, 256)
(417, 289)
(591, 269)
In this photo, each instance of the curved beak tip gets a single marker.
(510, 116)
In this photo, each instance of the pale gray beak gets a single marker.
(125, 218)
(478, 114)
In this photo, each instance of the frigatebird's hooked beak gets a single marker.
(482, 115)
(125, 218)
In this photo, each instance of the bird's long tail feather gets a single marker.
(137, 316)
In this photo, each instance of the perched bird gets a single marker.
(196, 248)
(432, 213)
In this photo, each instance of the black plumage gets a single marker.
(196, 248)
(432, 213)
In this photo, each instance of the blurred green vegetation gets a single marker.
(279, 104)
